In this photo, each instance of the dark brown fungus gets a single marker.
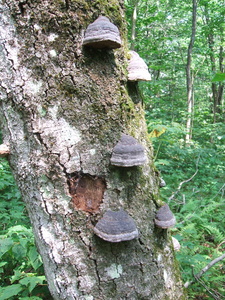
(137, 68)
(116, 226)
(102, 34)
(164, 217)
(128, 152)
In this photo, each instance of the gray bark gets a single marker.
(63, 108)
(190, 76)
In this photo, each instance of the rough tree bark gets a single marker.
(63, 108)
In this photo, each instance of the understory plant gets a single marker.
(21, 268)
(195, 192)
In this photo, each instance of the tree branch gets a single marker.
(205, 269)
(185, 181)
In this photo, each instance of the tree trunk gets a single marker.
(190, 77)
(133, 24)
(63, 108)
(217, 88)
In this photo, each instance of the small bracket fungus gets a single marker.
(102, 34)
(128, 152)
(137, 68)
(176, 244)
(4, 150)
(164, 217)
(162, 182)
(116, 226)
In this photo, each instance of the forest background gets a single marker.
(183, 46)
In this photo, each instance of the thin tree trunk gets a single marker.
(63, 109)
(189, 76)
(133, 24)
(217, 88)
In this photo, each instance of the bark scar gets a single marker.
(87, 191)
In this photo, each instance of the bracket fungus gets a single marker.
(102, 34)
(162, 182)
(164, 217)
(137, 68)
(116, 226)
(176, 244)
(128, 152)
(4, 150)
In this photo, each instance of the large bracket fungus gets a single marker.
(116, 226)
(164, 217)
(102, 34)
(137, 68)
(128, 152)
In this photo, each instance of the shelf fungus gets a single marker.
(162, 182)
(4, 150)
(137, 68)
(176, 244)
(128, 152)
(164, 217)
(102, 34)
(116, 226)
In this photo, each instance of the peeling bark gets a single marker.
(63, 108)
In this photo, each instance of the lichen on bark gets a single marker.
(63, 109)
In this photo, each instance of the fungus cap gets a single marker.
(4, 150)
(176, 244)
(102, 34)
(116, 226)
(128, 152)
(137, 68)
(164, 217)
(162, 182)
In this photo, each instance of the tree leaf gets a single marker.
(156, 133)
(34, 258)
(5, 246)
(9, 291)
(218, 77)
(32, 282)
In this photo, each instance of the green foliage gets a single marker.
(218, 77)
(21, 268)
(199, 204)
(11, 205)
(163, 31)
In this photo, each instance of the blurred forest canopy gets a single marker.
(160, 31)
